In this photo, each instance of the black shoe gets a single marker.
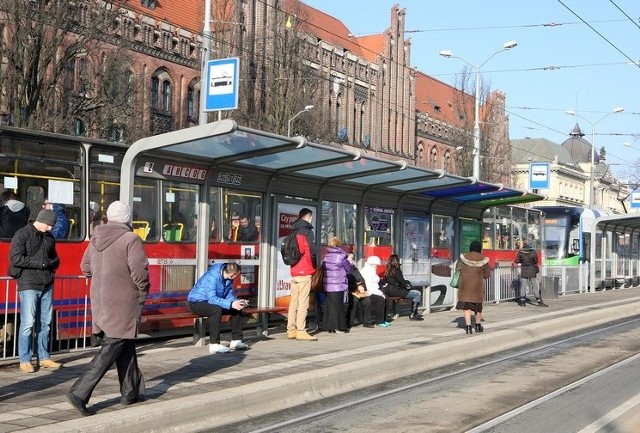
(131, 400)
(468, 329)
(541, 304)
(479, 327)
(416, 317)
(79, 405)
(369, 325)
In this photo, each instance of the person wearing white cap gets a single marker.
(118, 267)
(369, 273)
(33, 261)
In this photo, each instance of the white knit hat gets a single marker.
(119, 212)
(373, 260)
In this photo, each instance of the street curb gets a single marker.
(218, 408)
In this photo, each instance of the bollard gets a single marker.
(426, 299)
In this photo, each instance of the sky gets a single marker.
(577, 55)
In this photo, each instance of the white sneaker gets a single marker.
(218, 348)
(238, 345)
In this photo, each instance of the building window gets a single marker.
(155, 83)
(191, 105)
(151, 4)
(166, 96)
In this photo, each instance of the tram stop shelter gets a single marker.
(615, 251)
(224, 153)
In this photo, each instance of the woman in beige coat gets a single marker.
(474, 269)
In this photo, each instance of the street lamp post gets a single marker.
(616, 110)
(476, 124)
(206, 54)
(307, 108)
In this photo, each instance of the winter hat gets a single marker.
(46, 216)
(373, 260)
(119, 212)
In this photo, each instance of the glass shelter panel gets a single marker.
(339, 220)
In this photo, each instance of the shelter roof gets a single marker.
(225, 143)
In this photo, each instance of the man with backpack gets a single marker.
(301, 272)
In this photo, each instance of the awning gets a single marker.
(225, 143)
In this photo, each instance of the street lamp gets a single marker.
(476, 125)
(307, 108)
(206, 54)
(616, 110)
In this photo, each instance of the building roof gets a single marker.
(440, 100)
(579, 148)
(188, 16)
(527, 150)
(324, 27)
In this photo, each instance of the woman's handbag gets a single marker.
(455, 278)
(317, 279)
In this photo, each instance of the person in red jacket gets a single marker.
(301, 274)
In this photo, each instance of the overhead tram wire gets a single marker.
(625, 14)
(600, 34)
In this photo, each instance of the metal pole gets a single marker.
(592, 193)
(476, 129)
(206, 50)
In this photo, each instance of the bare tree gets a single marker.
(62, 68)
(495, 159)
(278, 81)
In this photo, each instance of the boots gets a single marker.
(468, 329)
(479, 327)
(414, 312)
(541, 304)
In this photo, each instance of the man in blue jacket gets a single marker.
(212, 296)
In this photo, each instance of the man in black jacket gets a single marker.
(33, 261)
(528, 259)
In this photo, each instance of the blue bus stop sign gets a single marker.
(539, 175)
(635, 198)
(222, 84)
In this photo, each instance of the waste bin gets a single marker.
(550, 287)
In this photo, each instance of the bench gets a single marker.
(395, 304)
(198, 322)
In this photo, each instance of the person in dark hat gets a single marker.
(527, 257)
(33, 261)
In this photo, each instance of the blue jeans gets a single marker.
(35, 317)
(415, 296)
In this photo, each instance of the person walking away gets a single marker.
(301, 274)
(61, 229)
(33, 261)
(474, 269)
(117, 265)
(336, 268)
(212, 296)
(14, 214)
(378, 299)
(398, 286)
(528, 260)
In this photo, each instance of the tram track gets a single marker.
(504, 384)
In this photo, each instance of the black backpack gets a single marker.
(289, 249)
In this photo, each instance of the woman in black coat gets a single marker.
(399, 287)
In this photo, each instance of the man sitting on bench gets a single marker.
(212, 296)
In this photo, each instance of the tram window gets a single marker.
(35, 169)
(104, 184)
(214, 215)
(179, 205)
(145, 208)
(241, 217)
